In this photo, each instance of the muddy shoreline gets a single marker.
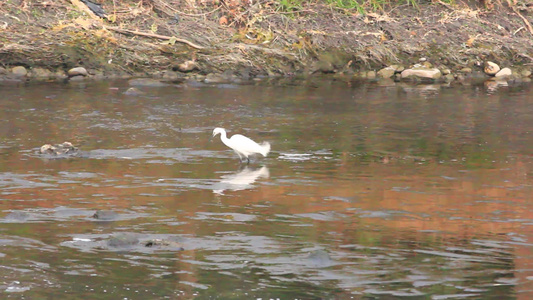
(43, 41)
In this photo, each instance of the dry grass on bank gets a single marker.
(278, 36)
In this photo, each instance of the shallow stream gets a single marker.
(370, 191)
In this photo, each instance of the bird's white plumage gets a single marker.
(242, 145)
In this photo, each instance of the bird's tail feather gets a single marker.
(266, 148)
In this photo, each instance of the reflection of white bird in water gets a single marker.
(241, 180)
(242, 145)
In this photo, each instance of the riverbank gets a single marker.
(235, 40)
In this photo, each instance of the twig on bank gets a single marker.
(198, 15)
(448, 6)
(164, 8)
(152, 35)
(526, 56)
(518, 30)
(528, 25)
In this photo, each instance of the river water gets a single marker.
(371, 191)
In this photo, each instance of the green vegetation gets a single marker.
(359, 6)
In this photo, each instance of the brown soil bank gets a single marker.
(177, 38)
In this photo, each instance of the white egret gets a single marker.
(242, 145)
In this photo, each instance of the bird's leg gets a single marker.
(242, 160)
(240, 156)
(247, 160)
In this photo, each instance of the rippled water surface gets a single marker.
(370, 192)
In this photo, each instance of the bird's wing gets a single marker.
(245, 145)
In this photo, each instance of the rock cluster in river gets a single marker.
(492, 69)
(425, 71)
(189, 70)
(63, 149)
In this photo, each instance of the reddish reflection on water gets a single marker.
(370, 191)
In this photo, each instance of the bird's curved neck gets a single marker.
(224, 137)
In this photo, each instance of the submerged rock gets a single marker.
(319, 259)
(146, 82)
(421, 72)
(105, 215)
(123, 240)
(163, 243)
(19, 216)
(216, 78)
(491, 68)
(136, 242)
(133, 92)
(77, 78)
(66, 148)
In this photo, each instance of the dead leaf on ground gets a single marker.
(379, 17)
(470, 42)
(317, 32)
(62, 26)
(84, 22)
(223, 21)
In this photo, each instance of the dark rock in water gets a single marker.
(105, 215)
(123, 240)
(147, 82)
(64, 149)
(163, 243)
